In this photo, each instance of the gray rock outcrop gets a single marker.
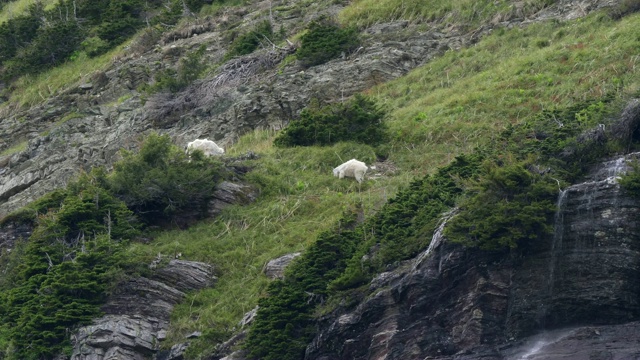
(137, 313)
(227, 193)
(275, 268)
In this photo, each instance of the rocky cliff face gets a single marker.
(451, 302)
(137, 314)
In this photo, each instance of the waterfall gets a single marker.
(540, 346)
(585, 195)
(437, 237)
(556, 248)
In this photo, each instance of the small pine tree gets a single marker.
(357, 120)
(325, 40)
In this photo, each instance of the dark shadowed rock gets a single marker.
(175, 353)
(11, 232)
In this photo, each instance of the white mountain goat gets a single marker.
(208, 147)
(352, 168)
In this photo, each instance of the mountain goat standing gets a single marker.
(352, 168)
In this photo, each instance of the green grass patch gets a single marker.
(465, 98)
(21, 146)
(20, 7)
(30, 90)
(216, 8)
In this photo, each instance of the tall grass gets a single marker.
(462, 99)
(363, 13)
(299, 199)
(20, 7)
(33, 89)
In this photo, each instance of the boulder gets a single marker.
(275, 268)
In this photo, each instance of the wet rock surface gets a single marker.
(455, 303)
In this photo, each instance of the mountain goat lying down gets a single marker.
(208, 147)
(352, 168)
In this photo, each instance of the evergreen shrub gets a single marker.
(509, 207)
(630, 181)
(161, 181)
(325, 40)
(284, 324)
(41, 39)
(250, 41)
(404, 226)
(358, 120)
(60, 277)
(65, 270)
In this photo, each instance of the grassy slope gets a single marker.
(465, 13)
(300, 199)
(445, 108)
(464, 98)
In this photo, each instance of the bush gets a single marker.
(404, 226)
(630, 181)
(65, 270)
(284, 324)
(324, 41)
(249, 42)
(161, 182)
(94, 46)
(189, 70)
(509, 207)
(357, 120)
(42, 38)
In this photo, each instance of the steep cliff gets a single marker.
(453, 302)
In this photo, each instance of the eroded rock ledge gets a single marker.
(137, 314)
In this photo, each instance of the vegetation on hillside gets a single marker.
(478, 128)
(61, 275)
(465, 13)
(58, 279)
(357, 120)
(324, 40)
(44, 37)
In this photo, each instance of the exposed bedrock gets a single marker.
(137, 313)
(452, 302)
